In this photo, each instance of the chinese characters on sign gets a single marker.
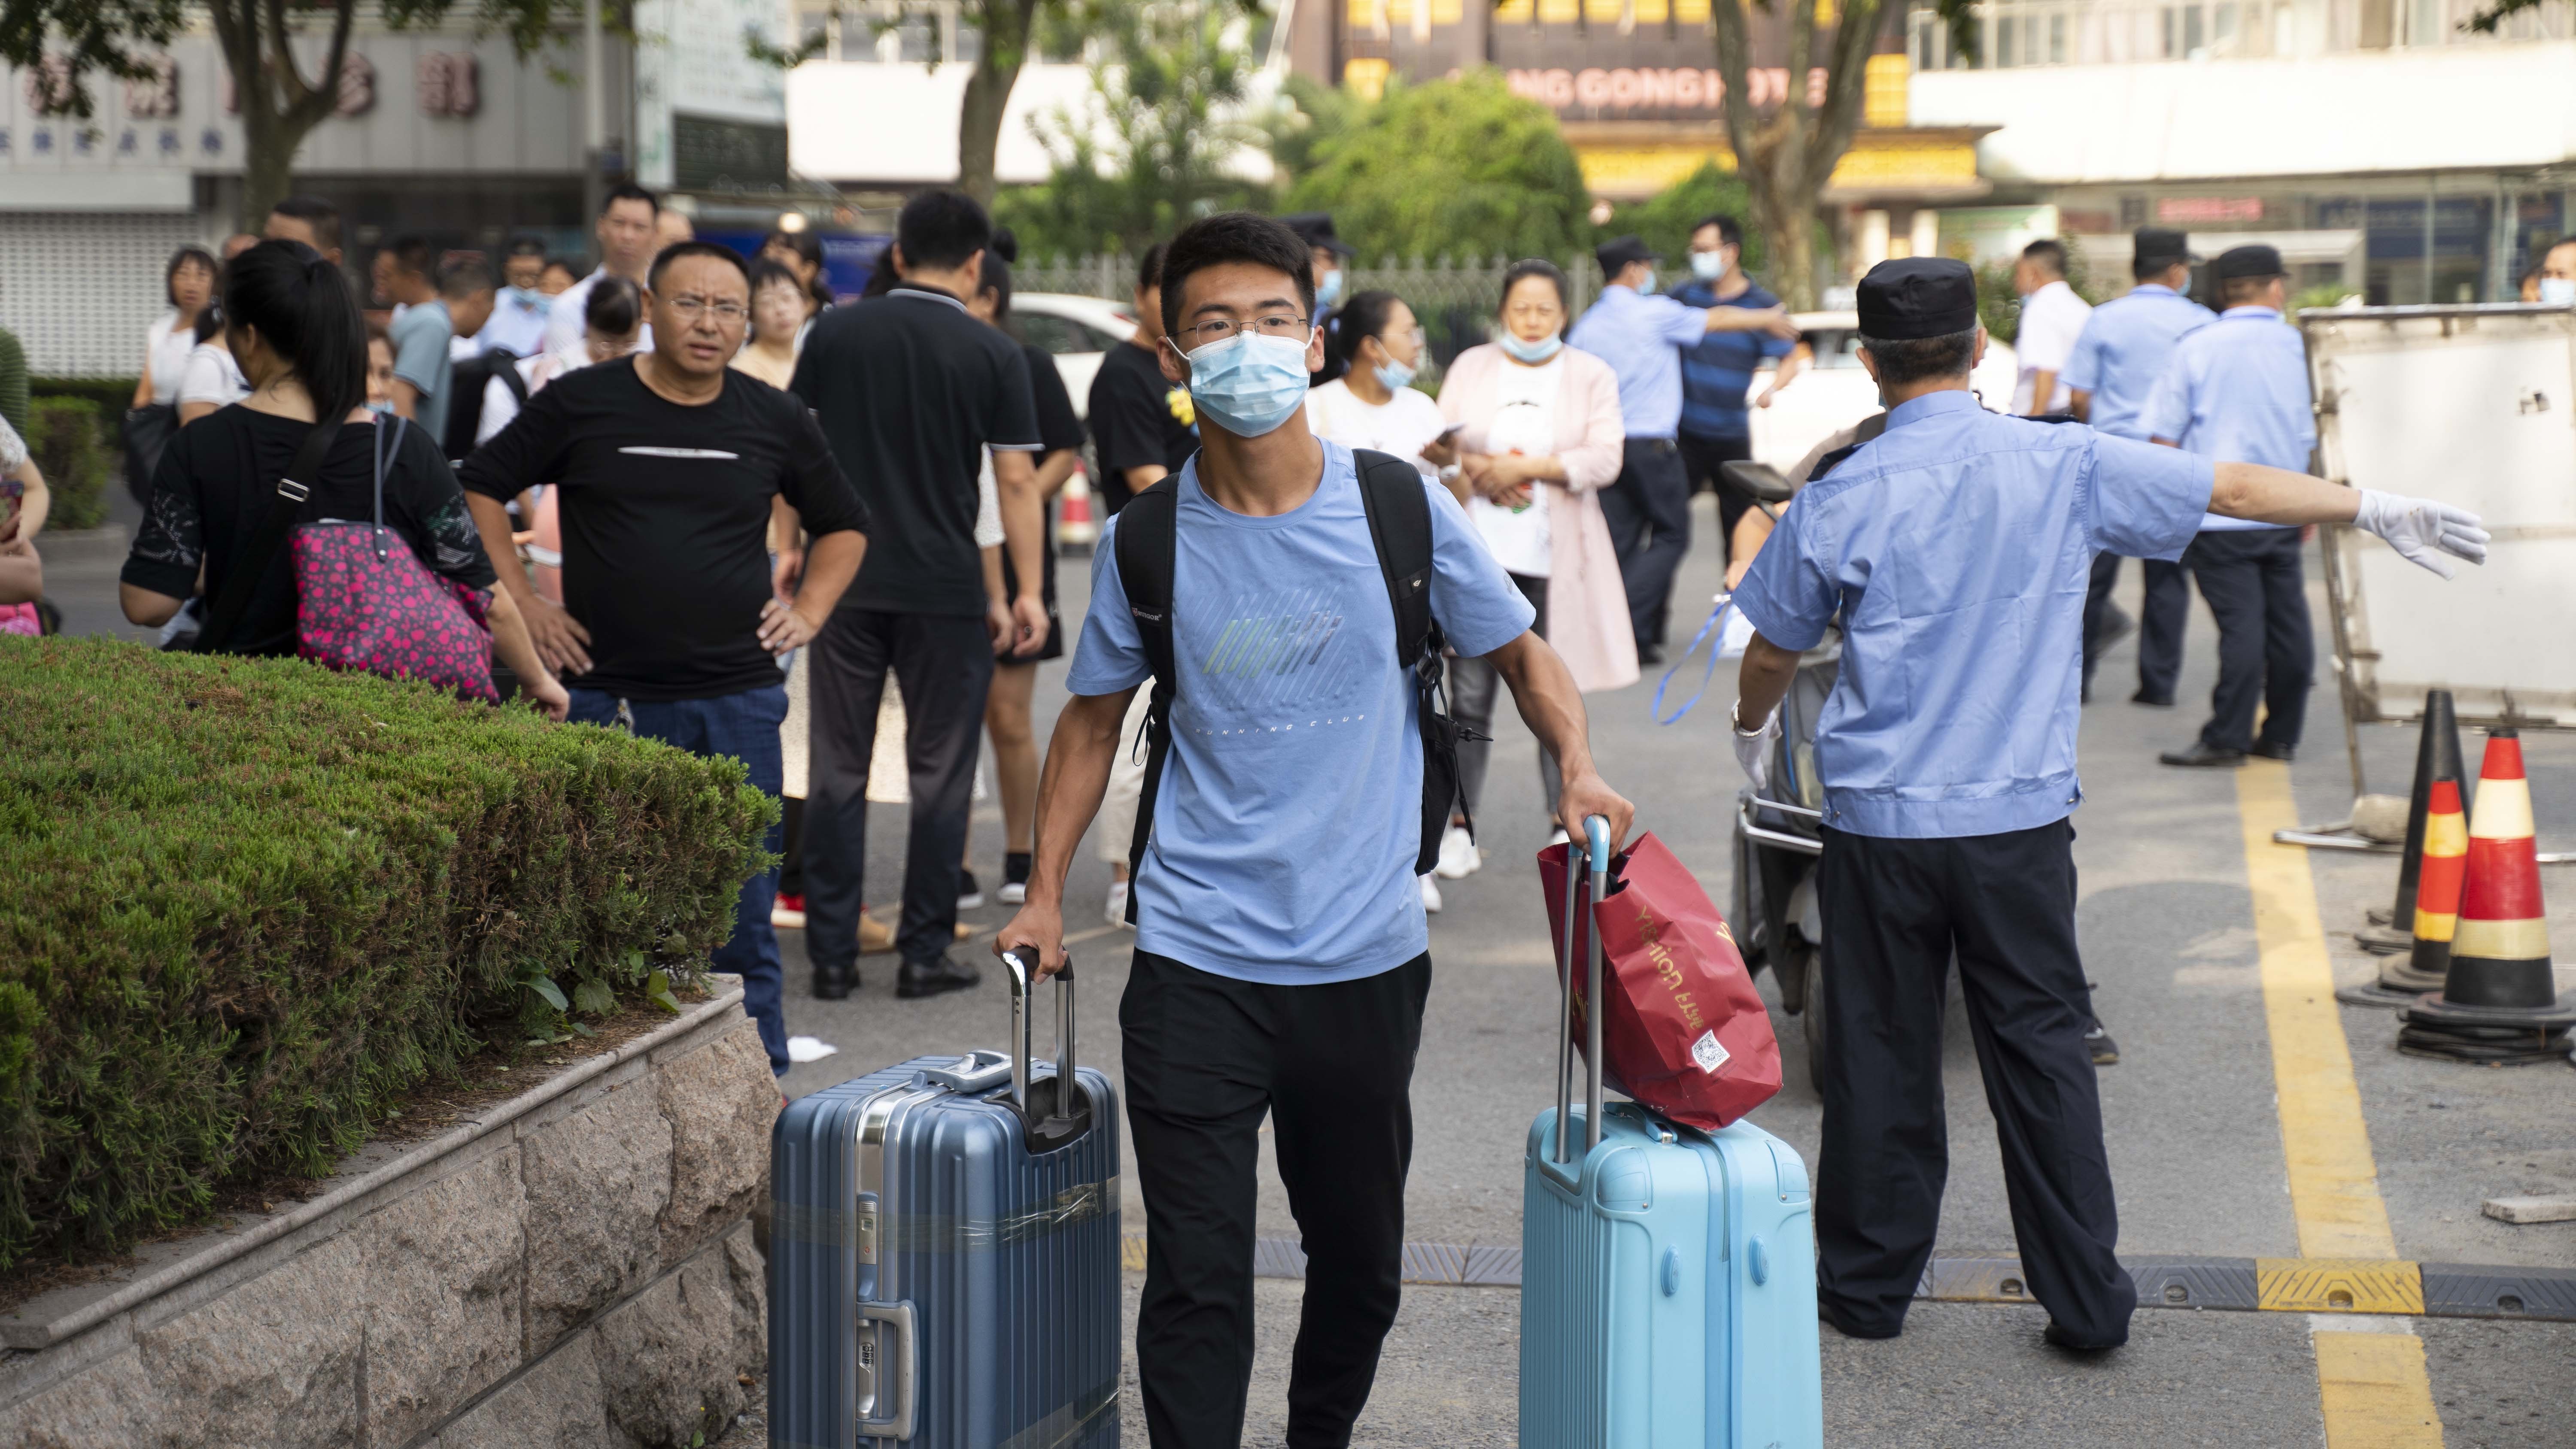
(446, 81)
(2192, 209)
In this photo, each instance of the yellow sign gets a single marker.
(1874, 163)
(1883, 86)
(1366, 77)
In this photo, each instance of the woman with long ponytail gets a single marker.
(293, 324)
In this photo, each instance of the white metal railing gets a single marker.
(2020, 33)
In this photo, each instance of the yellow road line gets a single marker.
(2373, 1387)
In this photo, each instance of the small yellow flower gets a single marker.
(1178, 400)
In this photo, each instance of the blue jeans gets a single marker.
(745, 727)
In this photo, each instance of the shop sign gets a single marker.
(1595, 89)
(2202, 210)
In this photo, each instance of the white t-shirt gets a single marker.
(1401, 425)
(2051, 319)
(1525, 423)
(212, 376)
(499, 406)
(167, 345)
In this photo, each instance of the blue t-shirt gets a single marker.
(1290, 807)
(1717, 371)
(419, 338)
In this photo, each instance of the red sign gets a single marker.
(2190, 209)
(1655, 88)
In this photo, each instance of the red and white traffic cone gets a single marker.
(2499, 1001)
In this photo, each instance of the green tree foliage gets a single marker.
(1171, 98)
(1458, 167)
(1665, 220)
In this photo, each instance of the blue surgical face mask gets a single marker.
(381, 409)
(1395, 375)
(1708, 266)
(1249, 384)
(1329, 289)
(1530, 352)
(2558, 291)
(1646, 284)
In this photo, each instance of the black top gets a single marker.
(1137, 419)
(911, 391)
(214, 485)
(665, 515)
(1330, 319)
(1058, 428)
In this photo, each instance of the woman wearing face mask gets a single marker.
(1542, 436)
(1374, 404)
(380, 368)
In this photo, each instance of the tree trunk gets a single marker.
(279, 108)
(268, 162)
(1786, 160)
(1005, 30)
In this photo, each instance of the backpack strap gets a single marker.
(293, 487)
(1399, 518)
(1147, 539)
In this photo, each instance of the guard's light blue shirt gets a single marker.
(2123, 350)
(1291, 804)
(1957, 547)
(2236, 391)
(1638, 334)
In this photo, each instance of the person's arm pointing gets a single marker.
(2419, 528)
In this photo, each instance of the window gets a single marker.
(1056, 335)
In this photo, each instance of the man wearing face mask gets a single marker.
(1717, 374)
(1640, 334)
(1328, 252)
(2558, 274)
(1281, 959)
(519, 311)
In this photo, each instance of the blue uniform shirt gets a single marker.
(1957, 547)
(2236, 391)
(2123, 350)
(1717, 370)
(1636, 334)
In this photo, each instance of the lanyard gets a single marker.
(1715, 624)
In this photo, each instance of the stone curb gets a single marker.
(56, 1317)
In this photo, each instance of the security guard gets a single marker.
(1954, 547)
(2238, 389)
(2116, 363)
(1329, 252)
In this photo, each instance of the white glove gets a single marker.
(2423, 530)
(1753, 751)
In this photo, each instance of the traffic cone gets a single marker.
(2437, 757)
(2499, 1001)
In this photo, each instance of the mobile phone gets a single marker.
(1451, 431)
(13, 495)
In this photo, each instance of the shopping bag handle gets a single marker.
(1716, 622)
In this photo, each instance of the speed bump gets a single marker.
(2338, 1285)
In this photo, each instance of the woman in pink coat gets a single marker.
(1541, 439)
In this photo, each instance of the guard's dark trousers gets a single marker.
(1331, 1066)
(944, 665)
(1896, 911)
(2253, 582)
(2160, 622)
(1648, 510)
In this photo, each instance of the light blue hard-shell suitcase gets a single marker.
(944, 1254)
(1668, 1276)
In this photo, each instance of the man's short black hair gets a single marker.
(313, 211)
(629, 191)
(1918, 358)
(677, 250)
(940, 229)
(1149, 267)
(1235, 236)
(2049, 254)
(464, 278)
(524, 245)
(411, 254)
(1730, 232)
(2142, 268)
(2238, 291)
(1362, 317)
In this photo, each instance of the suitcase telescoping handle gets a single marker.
(1023, 968)
(1594, 852)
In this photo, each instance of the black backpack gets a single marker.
(1399, 517)
(466, 387)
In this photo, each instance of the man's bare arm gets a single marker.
(2043, 386)
(1070, 789)
(1762, 681)
(2080, 403)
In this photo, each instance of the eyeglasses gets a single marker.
(1205, 334)
(727, 314)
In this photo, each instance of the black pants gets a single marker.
(1648, 511)
(1702, 458)
(1896, 910)
(2253, 582)
(945, 665)
(2160, 621)
(1475, 689)
(1207, 1057)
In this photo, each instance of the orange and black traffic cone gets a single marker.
(2499, 1001)
(2437, 758)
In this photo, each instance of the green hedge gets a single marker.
(245, 903)
(112, 395)
(67, 440)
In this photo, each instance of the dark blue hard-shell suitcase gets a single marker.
(944, 1254)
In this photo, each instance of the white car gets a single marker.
(1076, 331)
(1835, 391)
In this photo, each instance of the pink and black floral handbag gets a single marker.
(364, 602)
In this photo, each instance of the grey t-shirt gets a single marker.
(420, 337)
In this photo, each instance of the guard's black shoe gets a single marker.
(2152, 701)
(2106, 1052)
(931, 978)
(2205, 756)
(1849, 1330)
(2057, 1337)
(2266, 750)
(1649, 655)
(834, 985)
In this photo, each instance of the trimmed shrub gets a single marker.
(63, 436)
(244, 903)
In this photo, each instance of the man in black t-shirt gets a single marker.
(668, 463)
(1141, 425)
(911, 392)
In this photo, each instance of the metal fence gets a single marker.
(1456, 301)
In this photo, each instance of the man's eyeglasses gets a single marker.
(727, 314)
(1204, 334)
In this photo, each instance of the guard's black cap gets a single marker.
(1915, 297)
(1316, 228)
(2254, 261)
(2163, 244)
(1615, 254)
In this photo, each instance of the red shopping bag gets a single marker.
(1682, 1029)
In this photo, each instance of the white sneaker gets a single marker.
(1013, 893)
(1430, 895)
(1459, 856)
(1117, 908)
